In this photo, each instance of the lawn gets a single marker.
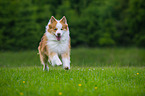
(94, 72)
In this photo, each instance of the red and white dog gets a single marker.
(55, 42)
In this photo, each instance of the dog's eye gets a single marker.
(61, 29)
(55, 29)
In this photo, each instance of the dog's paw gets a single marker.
(46, 68)
(58, 62)
(66, 67)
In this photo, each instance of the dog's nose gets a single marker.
(58, 34)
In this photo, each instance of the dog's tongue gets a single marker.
(58, 38)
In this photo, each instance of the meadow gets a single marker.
(94, 72)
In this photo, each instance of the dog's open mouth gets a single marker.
(58, 37)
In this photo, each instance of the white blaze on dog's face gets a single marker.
(58, 27)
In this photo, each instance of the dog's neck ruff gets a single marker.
(54, 45)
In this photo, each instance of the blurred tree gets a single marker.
(136, 22)
(92, 22)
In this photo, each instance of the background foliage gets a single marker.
(92, 22)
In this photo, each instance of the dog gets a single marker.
(55, 43)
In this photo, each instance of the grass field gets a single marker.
(94, 72)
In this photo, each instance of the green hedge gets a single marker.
(92, 22)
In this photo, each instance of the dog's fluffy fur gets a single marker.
(55, 42)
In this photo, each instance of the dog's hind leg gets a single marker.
(43, 59)
(43, 52)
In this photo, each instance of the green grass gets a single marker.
(113, 71)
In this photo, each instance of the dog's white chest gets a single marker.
(58, 46)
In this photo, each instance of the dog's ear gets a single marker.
(52, 20)
(63, 20)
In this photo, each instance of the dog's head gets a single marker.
(57, 27)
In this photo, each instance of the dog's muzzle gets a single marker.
(58, 36)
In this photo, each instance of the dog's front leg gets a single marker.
(54, 59)
(66, 60)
